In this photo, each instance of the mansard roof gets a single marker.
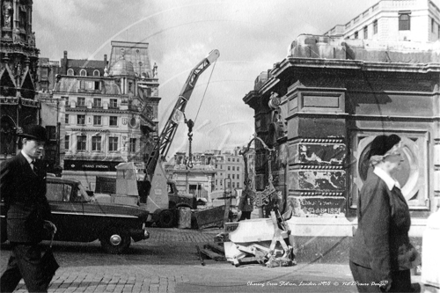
(73, 84)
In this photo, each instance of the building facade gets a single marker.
(230, 170)
(194, 177)
(320, 108)
(47, 73)
(208, 171)
(18, 73)
(394, 20)
(108, 113)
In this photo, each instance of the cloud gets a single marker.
(250, 35)
(70, 15)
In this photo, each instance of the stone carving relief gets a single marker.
(155, 70)
(31, 40)
(8, 131)
(332, 154)
(18, 70)
(7, 14)
(148, 111)
(413, 172)
(321, 180)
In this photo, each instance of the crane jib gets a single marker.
(166, 137)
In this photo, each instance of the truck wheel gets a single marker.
(166, 219)
(115, 240)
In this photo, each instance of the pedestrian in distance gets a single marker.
(246, 203)
(28, 215)
(381, 254)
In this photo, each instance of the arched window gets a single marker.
(404, 22)
(83, 72)
(96, 72)
(70, 71)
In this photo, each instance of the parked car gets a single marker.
(79, 217)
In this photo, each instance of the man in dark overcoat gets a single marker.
(23, 189)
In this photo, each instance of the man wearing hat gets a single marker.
(23, 188)
(381, 253)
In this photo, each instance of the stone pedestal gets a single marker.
(316, 131)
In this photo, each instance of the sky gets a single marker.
(251, 36)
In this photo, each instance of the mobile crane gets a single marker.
(163, 196)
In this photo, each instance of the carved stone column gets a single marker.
(317, 150)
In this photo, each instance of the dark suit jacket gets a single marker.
(383, 225)
(24, 193)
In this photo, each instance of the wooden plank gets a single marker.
(215, 247)
(250, 259)
(199, 253)
(212, 254)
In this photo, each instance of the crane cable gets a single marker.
(209, 79)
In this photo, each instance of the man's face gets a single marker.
(33, 148)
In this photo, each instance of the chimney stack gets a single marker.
(65, 63)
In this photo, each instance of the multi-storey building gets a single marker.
(207, 171)
(108, 114)
(18, 73)
(230, 170)
(47, 72)
(394, 20)
(195, 176)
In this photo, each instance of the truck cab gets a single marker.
(178, 199)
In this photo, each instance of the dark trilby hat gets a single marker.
(35, 132)
(382, 144)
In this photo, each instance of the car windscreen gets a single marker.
(82, 194)
(58, 192)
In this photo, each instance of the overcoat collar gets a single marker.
(389, 181)
(24, 163)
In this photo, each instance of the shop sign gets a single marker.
(90, 165)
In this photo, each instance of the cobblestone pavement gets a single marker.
(85, 268)
(183, 235)
(167, 262)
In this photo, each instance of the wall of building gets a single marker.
(386, 13)
(196, 176)
(18, 67)
(331, 109)
(230, 171)
(100, 95)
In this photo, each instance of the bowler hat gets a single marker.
(382, 144)
(35, 132)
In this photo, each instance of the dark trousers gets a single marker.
(245, 215)
(401, 280)
(24, 262)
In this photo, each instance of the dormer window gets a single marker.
(96, 72)
(70, 72)
(83, 72)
